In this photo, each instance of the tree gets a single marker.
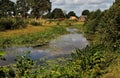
(39, 7)
(85, 12)
(71, 13)
(57, 13)
(22, 7)
(109, 26)
(6, 7)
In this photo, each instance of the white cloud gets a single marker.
(79, 5)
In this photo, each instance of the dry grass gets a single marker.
(28, 30)
(46, 24)
(113, 70)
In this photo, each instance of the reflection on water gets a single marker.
(11, 54)
(61, 46)
(67, 43)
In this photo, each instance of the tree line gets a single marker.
(32, 8)
(22, 7)
(106, 26)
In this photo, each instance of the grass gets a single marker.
(36, 35)
(28, 30)
(113, 71)
(32, 39)
(46, 25)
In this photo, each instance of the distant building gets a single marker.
(73, 18)
(83, 18)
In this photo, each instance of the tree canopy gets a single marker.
(57, 13)
(22, 7)
(85, 12)
(106, 25)
(39, 7)
(7, 7)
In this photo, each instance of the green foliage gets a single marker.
(85, 12)
(106, 26)
(93, 21)
(6, 8)
(109, 25)
(22, 7)
(11, 23)
(92, 61)
(57, 13)
(39, 7)
(24, 64)
(36, 23)
(39, 38)
(2, 55)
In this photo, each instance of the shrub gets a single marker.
(92, 61)
(36, 23)
(11, 23)
(24, 64)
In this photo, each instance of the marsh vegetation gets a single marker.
(97, 60)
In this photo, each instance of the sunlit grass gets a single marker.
(46, 25)
(35, 35)
(113, 70)
(28, 30)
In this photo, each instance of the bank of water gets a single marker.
(62, 46)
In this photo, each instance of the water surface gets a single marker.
(59, 47)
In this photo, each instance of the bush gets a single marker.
(92, 61)
(36, 23)
(24, 65)
(11, 23)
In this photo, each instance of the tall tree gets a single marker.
(109, 26)
(6, 7)
(85, 12)
(22, 7)
(57, 13)
(40, 7)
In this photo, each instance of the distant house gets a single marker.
(83, 18)
(73, 18)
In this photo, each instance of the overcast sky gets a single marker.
(79, 5)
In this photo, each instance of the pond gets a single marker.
(62, 46)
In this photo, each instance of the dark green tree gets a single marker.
(109, 26)
(7, 8)
(22, 7)
(85, 12)
(39, 7)
(94, 14)
(57, 13)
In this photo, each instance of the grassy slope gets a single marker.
(28, 30)
(35, 34)
(33, 29)
(113, 70)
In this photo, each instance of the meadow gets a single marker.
(35, 33)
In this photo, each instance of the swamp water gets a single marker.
(62, 46)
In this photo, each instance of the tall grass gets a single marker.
(38, 38)
(87, 63)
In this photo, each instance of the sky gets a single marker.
(79, 5)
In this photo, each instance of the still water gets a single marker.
(58, 47)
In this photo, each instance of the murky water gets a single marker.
(63, 45)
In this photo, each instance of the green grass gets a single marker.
(37, 38)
